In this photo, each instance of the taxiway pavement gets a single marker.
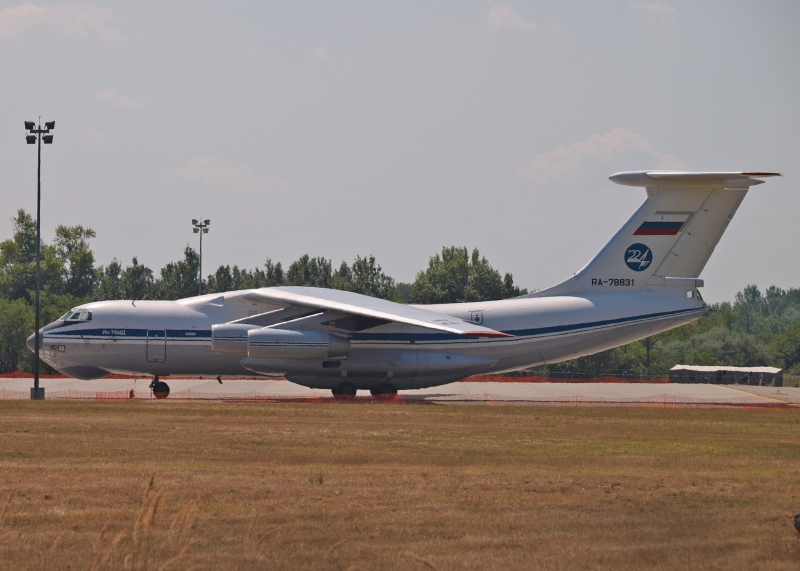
(462, 391)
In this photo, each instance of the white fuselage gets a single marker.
(164, 338)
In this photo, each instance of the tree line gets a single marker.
(70, 277)
(755, 329)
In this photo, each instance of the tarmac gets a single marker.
(575, 394)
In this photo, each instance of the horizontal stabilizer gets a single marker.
(672, 179)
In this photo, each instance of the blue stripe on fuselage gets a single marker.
(124, 333)
(205, 335)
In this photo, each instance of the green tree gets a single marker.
(455, 276)
(306, 271)
(109, 281)
(18, 261)
(179, 279)
(367, 278)
(342, 278)
(370, 279)
(652, 352)
(16, 324)
(77, 258)
(232, 279)
(786, 347)
(273, 274)
(402, 292)
(222, 280)
(136, 281)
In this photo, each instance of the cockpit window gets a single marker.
(72, 315)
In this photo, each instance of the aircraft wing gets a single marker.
(354, 304)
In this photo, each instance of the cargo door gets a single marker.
(156, 345)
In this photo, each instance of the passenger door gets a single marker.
(156, 345)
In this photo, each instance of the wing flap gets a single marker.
(371, 307)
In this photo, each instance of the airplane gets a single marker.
(644, 281)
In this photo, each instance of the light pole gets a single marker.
(37, 393)
(201, 228)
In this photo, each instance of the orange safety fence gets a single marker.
(652, 401)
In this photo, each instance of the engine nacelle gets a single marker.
(230, 337)
(267, 343)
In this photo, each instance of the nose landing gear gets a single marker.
(160, 389)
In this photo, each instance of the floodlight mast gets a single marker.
(37, 393)
(201, 228)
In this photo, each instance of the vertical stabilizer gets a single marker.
(671, 235)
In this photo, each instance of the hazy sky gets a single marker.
(345, 128)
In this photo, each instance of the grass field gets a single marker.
(372, 487)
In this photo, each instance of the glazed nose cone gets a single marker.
(31, 342)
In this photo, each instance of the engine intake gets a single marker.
(267, 343)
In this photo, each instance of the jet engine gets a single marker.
(268, 343)
(230, 337)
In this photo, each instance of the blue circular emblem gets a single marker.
(638, 257)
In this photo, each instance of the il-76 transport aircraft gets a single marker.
(642, 282)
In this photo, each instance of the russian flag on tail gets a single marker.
(659, 228)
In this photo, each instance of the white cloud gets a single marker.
(74, 21)
(655, 12)
(113, 98)
(504, 16)
(564, 163)
(208, 170)
(321, 55)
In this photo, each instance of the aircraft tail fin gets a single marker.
(671, 235)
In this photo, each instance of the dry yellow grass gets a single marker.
(395, 487)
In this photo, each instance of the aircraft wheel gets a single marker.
(345, 390)
(384, 390)
(160, 389)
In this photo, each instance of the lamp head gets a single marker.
(50, 125)
(194, 220)
(31, 139)
(207, 222)
(205, 230)
(30, 125)
(47, 139)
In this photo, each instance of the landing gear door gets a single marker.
(156, 345)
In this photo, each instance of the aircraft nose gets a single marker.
(31, 342)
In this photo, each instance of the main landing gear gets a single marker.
(160, 389)
(384, 390)
(344, 390)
